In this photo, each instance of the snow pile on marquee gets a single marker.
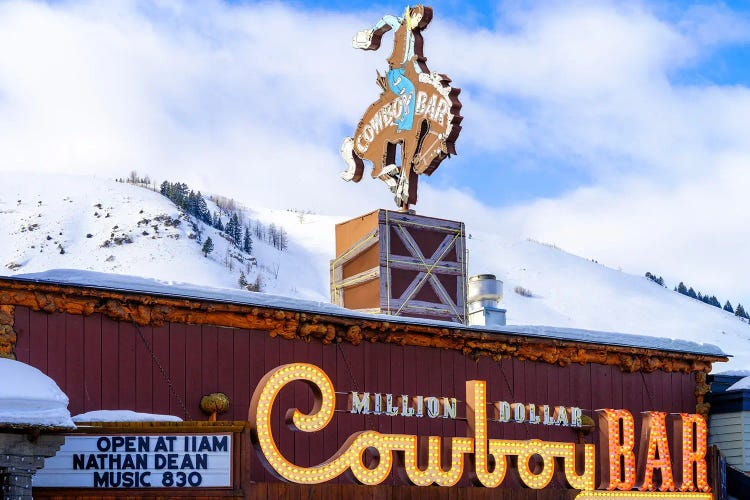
(123, 416)
(28, 397)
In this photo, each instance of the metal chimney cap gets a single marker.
(479, 277)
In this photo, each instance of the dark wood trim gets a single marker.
(151, 310)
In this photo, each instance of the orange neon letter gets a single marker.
(690, 438)
(656, 452)
(618, 459)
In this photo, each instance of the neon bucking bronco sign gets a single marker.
(416, 120)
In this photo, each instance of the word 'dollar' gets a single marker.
(489, 458)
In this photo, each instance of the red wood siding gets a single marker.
(103, 364)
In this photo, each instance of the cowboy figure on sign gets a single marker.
(417, 110)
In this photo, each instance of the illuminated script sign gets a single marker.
(416, 120)
(140, 461)
(655, 474)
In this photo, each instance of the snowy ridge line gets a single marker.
(134, 284)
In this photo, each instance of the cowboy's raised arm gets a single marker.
(370, 39)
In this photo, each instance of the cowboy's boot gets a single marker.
(354, 170)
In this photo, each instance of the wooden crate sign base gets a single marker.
(401, 264)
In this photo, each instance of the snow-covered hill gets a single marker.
(39, 215)
(58, 221)
(571, 291)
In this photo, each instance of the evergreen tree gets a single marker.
(714, 301)
(208, 247)
(247, 241)
(180, 194)
(202, 211)
(740, 311)
(229, 229)
(233, 229)
(691, 293)
(243, 280)
(681, 288)
(217, 222)
(191, 206)
(728, 307)
(236, 233)
(658, 280)
(256, 285)
(164, 189)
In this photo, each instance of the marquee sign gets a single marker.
(140, 461)
(415, 122)
(654, 474)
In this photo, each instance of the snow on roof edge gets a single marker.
(135, 284)
(741, 385)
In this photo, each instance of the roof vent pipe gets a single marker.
(484, 295)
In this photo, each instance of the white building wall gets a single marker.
(731, 433)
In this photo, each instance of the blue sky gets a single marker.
(529, 175)
(616, 130)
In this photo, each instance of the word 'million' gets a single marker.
(403, 405)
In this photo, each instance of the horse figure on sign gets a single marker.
(418, 112)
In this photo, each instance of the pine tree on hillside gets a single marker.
(247, 241)
(691, 293)
(208, 247)
(202, 211)
(740, 312)
(236, 233)
(728, 307)
(243, 280)
(180, 193)
(229, 229)
(681, 288)
(217, 222)
(658, 280)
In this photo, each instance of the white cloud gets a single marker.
(252, 101)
